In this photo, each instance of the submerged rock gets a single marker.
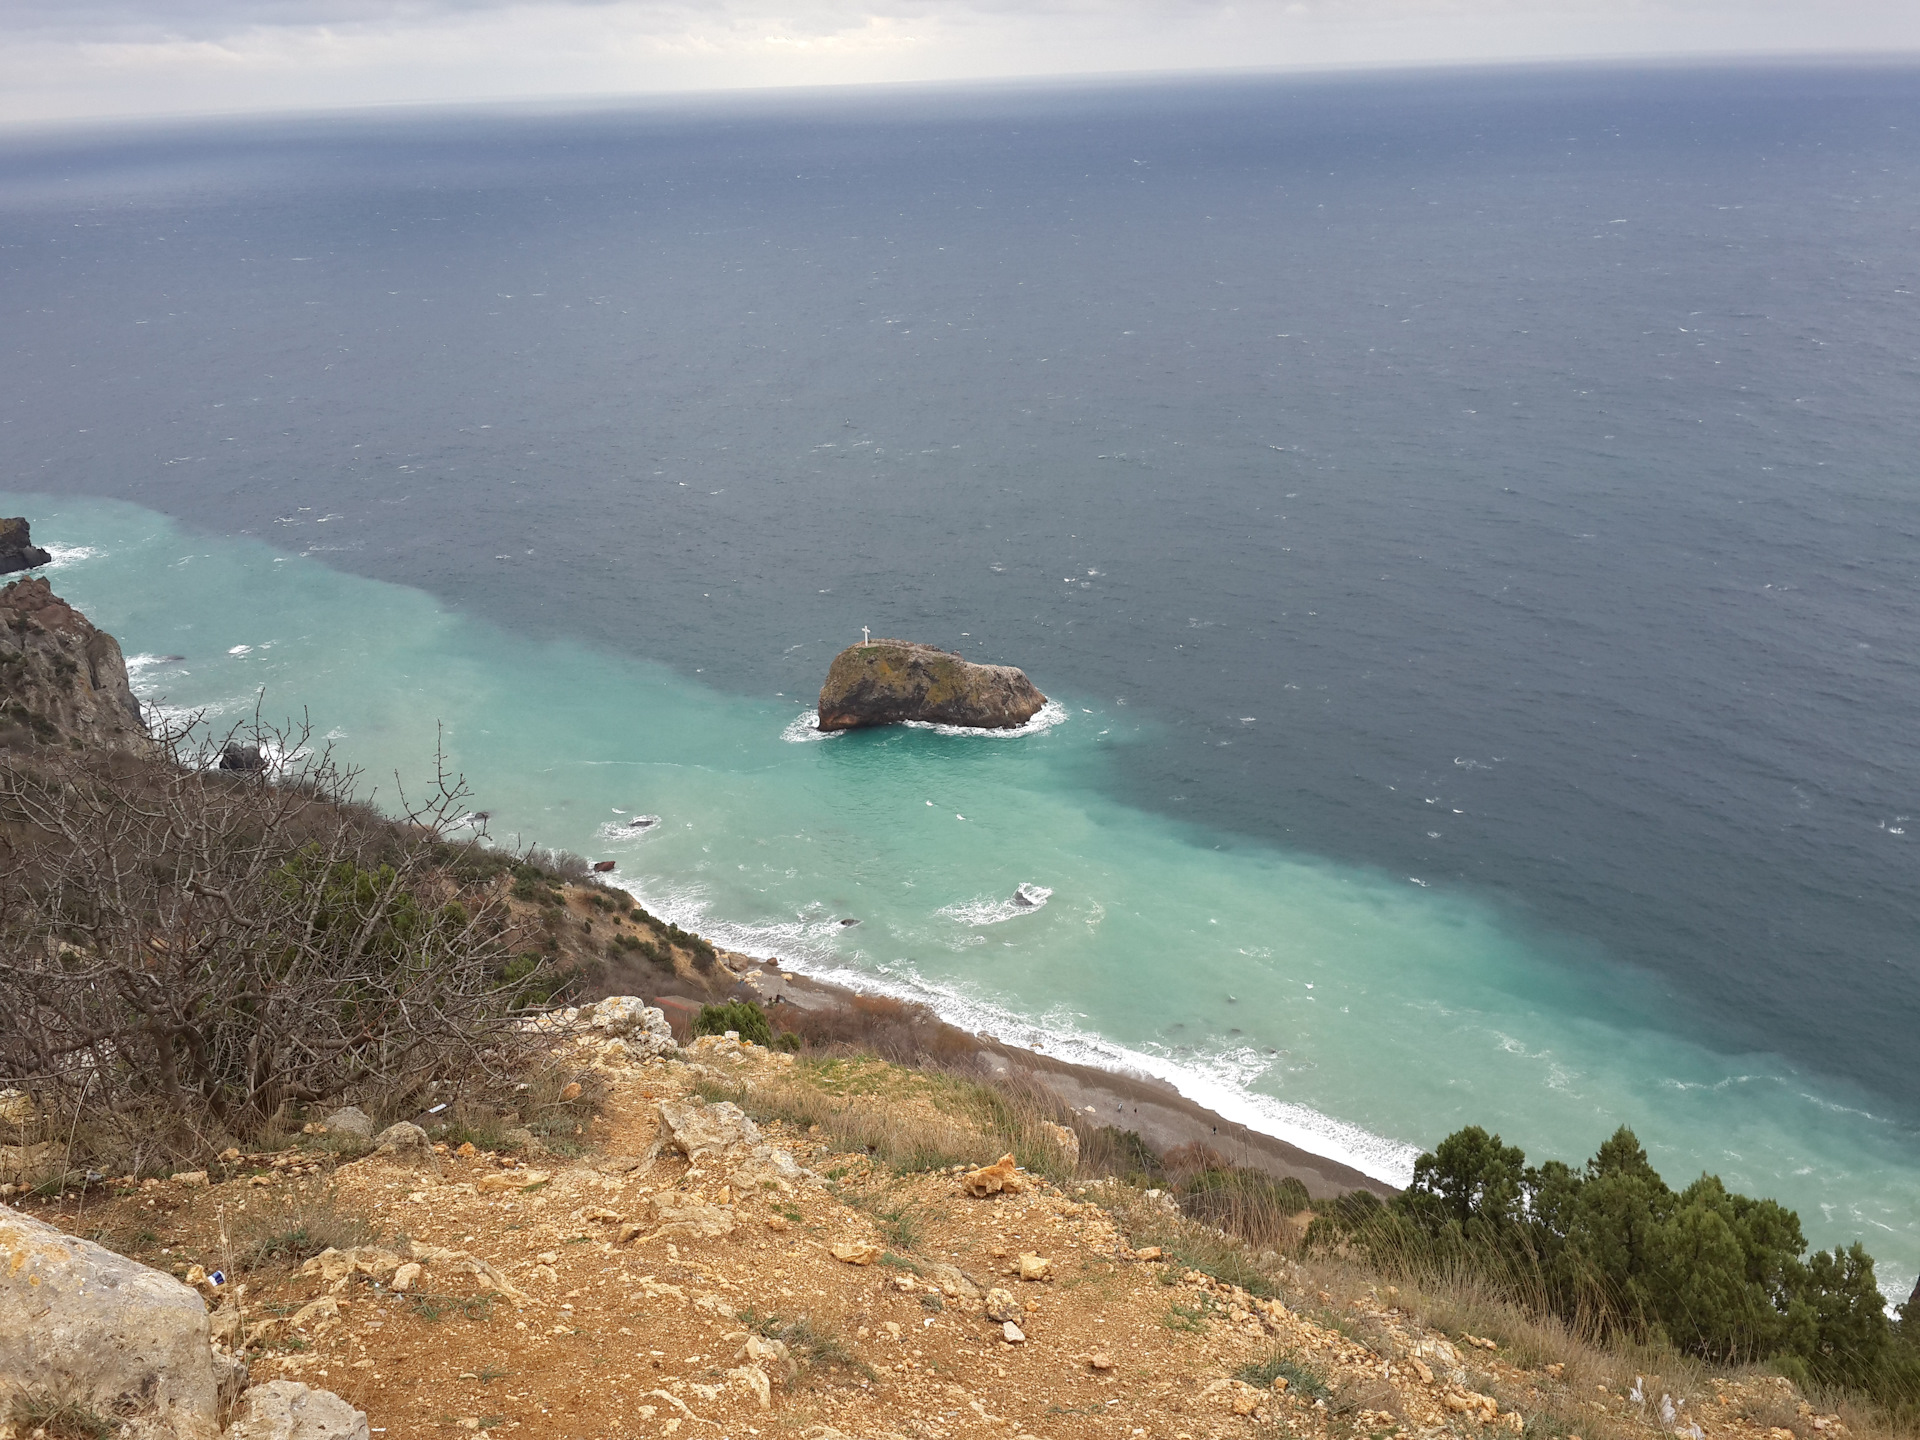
(17, 550)
(887, 682)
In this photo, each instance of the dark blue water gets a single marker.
(1506, 480)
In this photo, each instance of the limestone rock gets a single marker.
(405, 1143)
(78, 1320)
(753, 1380)
(886, 682)
(722, 1134)
(1012, 1333)
(288, 1410)
(1002, 1175)
(350, 1120)
(856, 1252)
(627, 1017)
(1065, 1139)
(61, 679)
(17, 550)
(683, 1217)
(1002, 1306)
(1035, 1267)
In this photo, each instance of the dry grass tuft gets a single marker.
(909, 1120)
(311, 1218)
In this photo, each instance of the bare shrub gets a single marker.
(185, 951)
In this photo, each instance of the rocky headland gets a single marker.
(889, 682)
(17, 550)
(62, 681)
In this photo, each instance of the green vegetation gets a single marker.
(1189, 1318)
(811, 1345)
(1716, 1275)
(431, 1307)
(742, 1016)
(1279, 1364)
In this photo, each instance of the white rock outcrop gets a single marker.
(641, 1029)
(721, 1134)
(78, 1321)
(288, 1410)
(404, 1143)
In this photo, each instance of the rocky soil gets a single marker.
(683, 1271)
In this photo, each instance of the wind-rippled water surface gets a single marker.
(1468, 524)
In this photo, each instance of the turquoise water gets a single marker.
(1357, 1013)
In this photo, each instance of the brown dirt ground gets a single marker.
(648, 1337)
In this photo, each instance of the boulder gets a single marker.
(1002, 1306)
(629, 1018)
(887, 682)
(350, 1120)
(405, 1143)
(1001, 1176)
(246, 759)
(288, 1410)
(722, 1134)
(82, 1323)
(17, 550)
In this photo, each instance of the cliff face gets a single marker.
(885, 682)
(17, 550)
(61, 680)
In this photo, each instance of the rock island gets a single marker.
(888, 682)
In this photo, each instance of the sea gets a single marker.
(1467, 524)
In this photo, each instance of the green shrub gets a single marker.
(1229, 1198)
(1278, 1364)
(742, 1016)
(1722, 1276)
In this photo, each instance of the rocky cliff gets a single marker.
(61, 680)
(17, 550)
(886, 682)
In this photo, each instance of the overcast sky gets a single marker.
(66, 59)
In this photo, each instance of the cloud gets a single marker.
(79, 58)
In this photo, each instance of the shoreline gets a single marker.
(1145, 1104)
